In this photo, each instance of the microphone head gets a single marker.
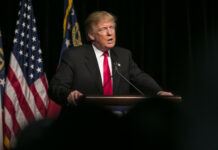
(117, 64)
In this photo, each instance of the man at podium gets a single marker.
(100, 68)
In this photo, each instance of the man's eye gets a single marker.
(102, 29)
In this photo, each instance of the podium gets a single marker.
(126, 100)
(121, 104)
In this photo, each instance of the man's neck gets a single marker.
(100, 48)
(95, 47)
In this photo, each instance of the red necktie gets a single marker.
(107, 81)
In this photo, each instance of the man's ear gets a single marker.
(91, 36)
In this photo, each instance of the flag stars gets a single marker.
(27, 43)
(31, 76)
(73, 12)
(26, 64)
(2, 82)
(29, 7)
(23, 24)
(15, 40)
(38, 70)
(22, 34)
(40, 51)
(21, 52)
(67, 42)
(28, 17)
(39, 60)
(34, 29)
(32, 57)
(33, 48)
(68, 26)
(34, 39)
(24, 15)
(32, 66)
(16, 31)
(21, 43)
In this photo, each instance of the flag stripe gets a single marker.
(9, 134)
(7, 129)
(12, 98)
(45, 82)
(38, 100)
(12, 119)
(25, 88)
(21, 98)
(7, 125)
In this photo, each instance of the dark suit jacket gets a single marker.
(79, 71)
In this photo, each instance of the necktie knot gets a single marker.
(105, 54)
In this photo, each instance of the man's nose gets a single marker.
(109, 31)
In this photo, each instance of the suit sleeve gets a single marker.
(61, 84)
(142, 80)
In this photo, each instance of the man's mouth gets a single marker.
(110, 40)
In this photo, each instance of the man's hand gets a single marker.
(74, 96)
(164, 93)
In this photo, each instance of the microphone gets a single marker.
(108, 80)
(117, 65)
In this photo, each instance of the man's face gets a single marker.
(103, 35)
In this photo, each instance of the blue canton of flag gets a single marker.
(2, 87)
(26, 44)
(72, 36)
(26, 86)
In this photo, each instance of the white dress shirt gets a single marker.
(100, 58)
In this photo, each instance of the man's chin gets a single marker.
(110, 46)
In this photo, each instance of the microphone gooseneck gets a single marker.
(108, 81)
(116, 64)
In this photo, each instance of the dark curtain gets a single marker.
(176, 42)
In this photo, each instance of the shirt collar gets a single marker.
(98, 52)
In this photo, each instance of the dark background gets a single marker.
(175, 41)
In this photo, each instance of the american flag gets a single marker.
(26, 86)
(2, 84)
(71, 38)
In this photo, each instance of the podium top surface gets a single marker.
(126, 99)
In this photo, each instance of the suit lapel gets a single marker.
(92, 65)
(116, 77)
